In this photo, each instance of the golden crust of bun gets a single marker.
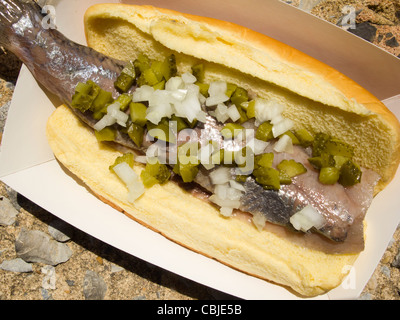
(192, 222)
(317, 97)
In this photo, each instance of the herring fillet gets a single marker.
(60, 64)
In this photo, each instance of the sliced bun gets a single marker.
(318, 97)
(191, 222)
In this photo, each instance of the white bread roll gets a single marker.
(317, 98)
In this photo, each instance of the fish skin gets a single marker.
(60, 64)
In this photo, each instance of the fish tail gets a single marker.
(11, 12)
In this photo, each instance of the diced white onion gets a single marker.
(187, 77)
(233, 194)
(221, 191)
(141, 159)
(143, 93)
(174, 83)
(307, 218)
(236, 185)
(217, 93)
(221, 175)
(284, 144)
(226, 211)
(233, 113)
(266, 110)
(281, 127)
(106, 121)
(131, 180)
(259, 221)
(258, 146)
(125, 173)
(225, 203)
(221, 113)
(114, 111)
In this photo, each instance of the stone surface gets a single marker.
(127, 277)
(8, 214)
(94, 287)
(16, 265)
(36, 246)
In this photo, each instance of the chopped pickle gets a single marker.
(188, 172)
(107, 134)
(203, 88)
(161, 131)
(243, 115)
(138, 113)
(251, 109)
(85, 94)
(142, 63)
(192, 124)
(181, 124)
(228, 158)
(129, 158)
(102, 100)
(264, 132)
(136, 133)
(306, 138)
(291, 168)
(159, 69)
(324, 160)
(350, 174)
(239, 96)
(292, 136)
(126, 79)
(319, 144)
(267, 177)
(231, 130)
(264, 160)
(124, 100)
(284, 178)
(171, 70)
(156, 173)
(340, 160)
(339, 148)
(198, 72)
(329, 175)
(160, 85)
(230, 89)
(241, 178)
(148, 77)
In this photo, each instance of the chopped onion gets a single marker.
(307, 218)
(217, 93)
(236, 185)
(281, 127)
(284, 144)
(174, 83)
(258, 146)
(114, 115)
(235, 204)
(266, 110)
(226, 211)
(233, 113)
(233, 194)
(259, 221)
(143, 93)
(221, 191)
(221, 113)
(106, 121)
(141, 159)
(115, 112)
(187, 77)
(131, 180)
(221, 175)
